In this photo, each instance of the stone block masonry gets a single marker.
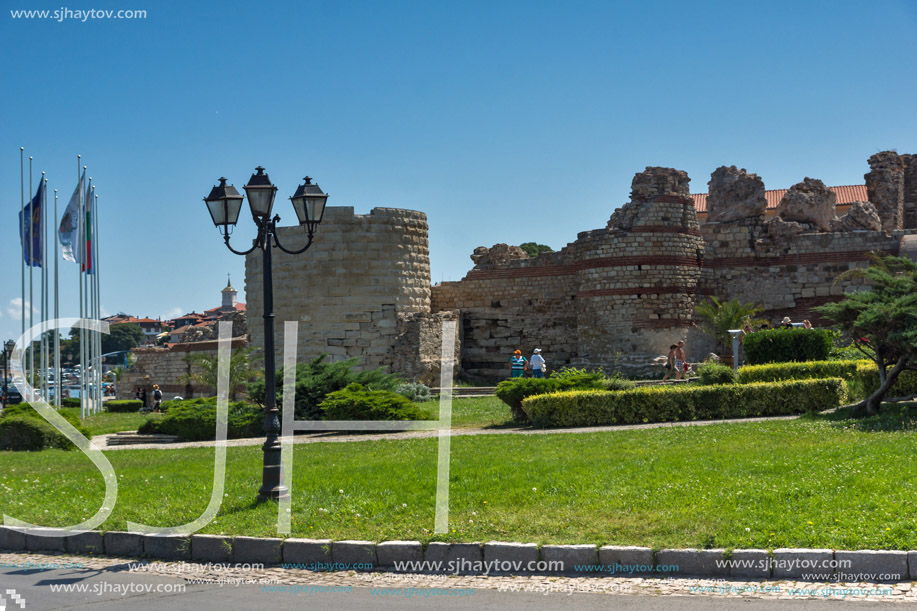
(360, 289)
(166, 366)
(614, 298)
(618, 297)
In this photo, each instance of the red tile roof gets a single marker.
(845, 195)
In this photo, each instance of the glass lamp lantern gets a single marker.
(224, 204)
(309, 203)
(261, 194)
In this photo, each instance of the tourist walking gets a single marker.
(670, 363)
(538, 364)
(142, 397)
(681, 361)
(157, 397)
(517, 364)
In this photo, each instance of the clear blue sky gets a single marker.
(503, 121)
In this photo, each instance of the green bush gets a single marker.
(866, 381)
(357, 403)
(775, 372)
(126, 406)
(23, 429)
(195, 420)
(70, 402)
(713, 373)
(318, 378)
(783, 345)
(414, 391)
(678, 403)
(862, 376)
(618, 383)
(515, 390)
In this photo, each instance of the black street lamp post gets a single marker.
(224, 204)
(7, 353)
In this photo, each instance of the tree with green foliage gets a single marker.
(318, 378)
(122, 337)
(533, 249)
(719, 317)
(243, 368)
(882, 320)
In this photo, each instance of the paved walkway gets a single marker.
(102, 440)
(374, 590)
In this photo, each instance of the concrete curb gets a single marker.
(306, 552)
(211, 548)
(875, 566)
(167, 547)
(257, 550)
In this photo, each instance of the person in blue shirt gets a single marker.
(517, 364)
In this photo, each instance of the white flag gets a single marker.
(69, 224)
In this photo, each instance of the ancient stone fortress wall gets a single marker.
(361, 287)
(166, 366)
(606, 300)
(617, 297)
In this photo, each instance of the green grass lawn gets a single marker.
(476, 412)
(106, 422)
(813, 482)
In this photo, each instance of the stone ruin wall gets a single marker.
(362, 290)
(614, 298)
(617, 297)
(166, 366)
(605, 300)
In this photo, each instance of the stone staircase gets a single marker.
(467, 391)
(129, 438)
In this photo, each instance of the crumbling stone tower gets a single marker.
(361, 287)
(637, 282)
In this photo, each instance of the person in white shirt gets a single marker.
(537, 363)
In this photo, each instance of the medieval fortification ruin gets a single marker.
(614, 298)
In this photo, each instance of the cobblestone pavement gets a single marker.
(608, 586)
(102, 440)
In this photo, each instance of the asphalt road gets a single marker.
(114, 589)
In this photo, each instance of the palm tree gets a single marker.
(719, 317)
(203, 370)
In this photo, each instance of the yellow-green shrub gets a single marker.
(674, 403)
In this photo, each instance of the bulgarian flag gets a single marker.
(86, 234)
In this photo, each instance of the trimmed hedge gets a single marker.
(70, 402)
(680, 403)
(775, 372)
(23, 429)
(124, 406)
(862, 376)
(713, 373)
(783, 345)
(515, 390)
(357, 403)
(195, 420)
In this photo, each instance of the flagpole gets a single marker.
(21, 229)
(58, 381)
(95, 278)
(79, 269)
(90, 272)
(43, 341)
(87, 262)
(31, 378)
